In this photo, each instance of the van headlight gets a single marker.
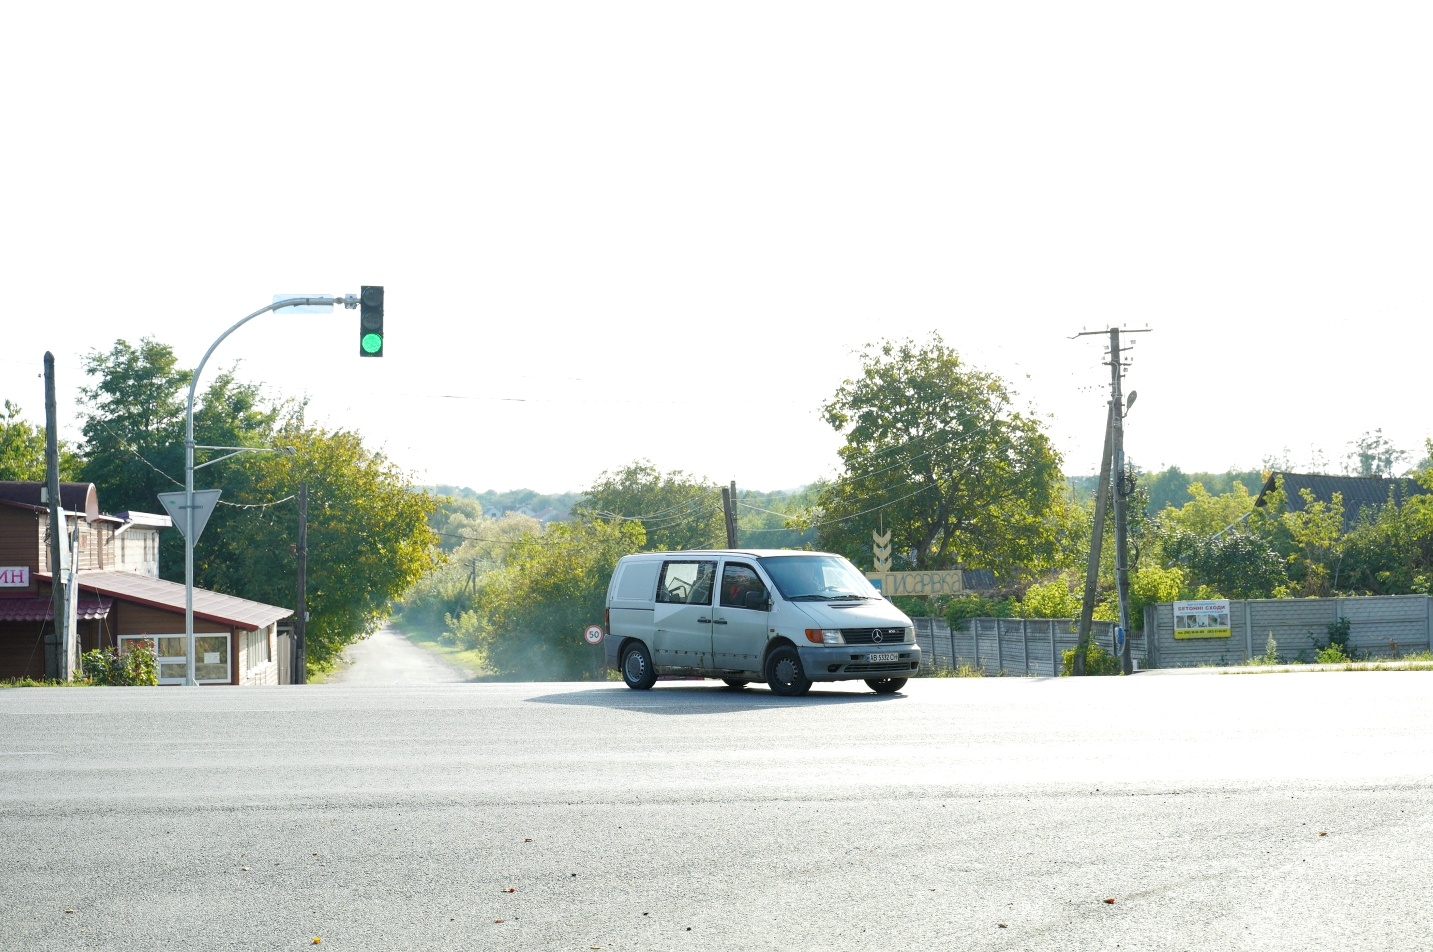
(825, 636)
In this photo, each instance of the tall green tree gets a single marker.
(22, 450)
(369, 538)
(676, 510)
(134, 424)
(368, 534)
(936, 452)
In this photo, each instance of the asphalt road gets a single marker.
(387, 658)
(1238, 812)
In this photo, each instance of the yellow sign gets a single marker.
(918, 583)
(1205, 618)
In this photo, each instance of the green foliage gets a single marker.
(1150, 586)
(1390, 550)
(451, 588)
(774, 520)
(676, 510)
(1316, 531)
(1052, 599)
(964, 607)
(1235, 565)
(136, 665)
(532, 611)
(1098, 662)
(1205, 515)
(935, 453)
(1173, 488)
(22, 450)
(368, 533)
(134, 424)
(1331, 654)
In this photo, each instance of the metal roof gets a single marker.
(161, 593)
(77, 498)
(1357, 491)
(33, 608)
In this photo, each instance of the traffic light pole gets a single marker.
(349, 301)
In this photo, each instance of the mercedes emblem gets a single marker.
(877, 635)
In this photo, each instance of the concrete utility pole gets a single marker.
(58, 663)
(1117, 482)
(1097, 539)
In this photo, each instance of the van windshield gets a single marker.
(817, 578)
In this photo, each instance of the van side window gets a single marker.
(686, 583)
(736, 581)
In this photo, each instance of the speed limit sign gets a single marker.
(593, 635)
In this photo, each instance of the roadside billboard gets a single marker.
(1204, 618)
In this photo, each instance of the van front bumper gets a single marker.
(853, 662)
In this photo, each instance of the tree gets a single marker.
(935, 453)
(134, 424)
(1373, 455)
(368, 534)
(22, 450)
(676, 510)
(531, 613)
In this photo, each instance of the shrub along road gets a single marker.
(1280, 812)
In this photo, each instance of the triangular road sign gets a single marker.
(204, 502)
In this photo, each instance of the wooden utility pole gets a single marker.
(728, 507)
(300, 662)
(57, 650)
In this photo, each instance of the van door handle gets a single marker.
(718, 621)
(704, 621)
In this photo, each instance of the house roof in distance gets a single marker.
(162, 593)
(1357, 491)
(78, 498)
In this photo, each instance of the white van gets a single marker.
(782, 616)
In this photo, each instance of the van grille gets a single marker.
(866, 636)
(885, 667)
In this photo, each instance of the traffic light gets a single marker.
(370, 321)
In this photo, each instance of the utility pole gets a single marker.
(1117, 431)
(728, 508)
(58, 663)
(1114, 480)
(1097, 538)
(300, 648)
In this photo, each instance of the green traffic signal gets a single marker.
(370, 321)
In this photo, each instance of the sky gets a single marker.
(665, 231)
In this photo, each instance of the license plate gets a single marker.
(883, 656)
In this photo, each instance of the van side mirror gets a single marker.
(758, 601)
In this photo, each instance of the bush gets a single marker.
(1098, 662)
(1331, 654)
(136, 665)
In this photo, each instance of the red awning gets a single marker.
(30, 608)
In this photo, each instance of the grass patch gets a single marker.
(43, 683)
(964, 671)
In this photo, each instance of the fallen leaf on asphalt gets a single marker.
(1323, 834)
(1110, 901)
(510, 889)
(69, 910)
(527, 839)
(497, 920)
(316, 940)
(1002, 925)
(243, 869)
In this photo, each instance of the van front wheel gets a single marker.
(886, 685)
(784, 674)
(637, 668)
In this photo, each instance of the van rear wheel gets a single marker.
(886, 685)
(637, 668)
(784, 674)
